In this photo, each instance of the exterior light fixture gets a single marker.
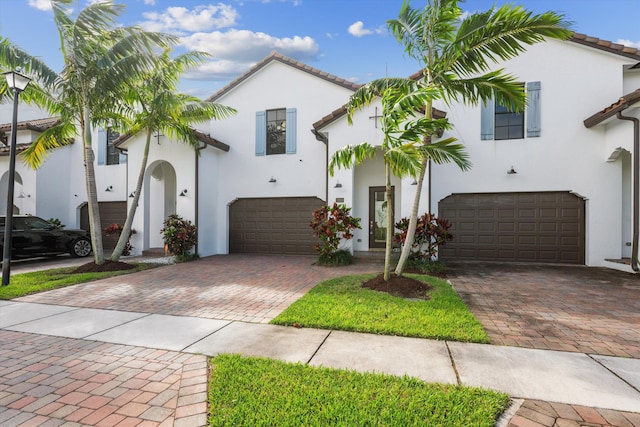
(511, 171)
(109, 188)
(414, 182)
(272, 180)
(22, 195)
(17, 83)
(184, 193)
(133, 193)
(338, 185)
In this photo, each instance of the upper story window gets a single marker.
(497, 122)
(113, 155)
(276, 131)
(508, 123)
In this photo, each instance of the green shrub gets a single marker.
(431, 233)
(340, 257)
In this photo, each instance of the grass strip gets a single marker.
(45, 280)
(262, 392)
(343, 304)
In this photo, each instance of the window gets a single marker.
(113, 155)
(508, 123)
(498, 122)
(276, 131)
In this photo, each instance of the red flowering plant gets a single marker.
(431, 232)
(179, 236)
(116, 230)
(333, 225)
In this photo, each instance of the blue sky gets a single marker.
(347, 38)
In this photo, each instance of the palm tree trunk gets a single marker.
(413, 219)
(126, 228)
(389, 201)
(92, 194)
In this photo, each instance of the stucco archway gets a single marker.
(159, 201)
(17, 191)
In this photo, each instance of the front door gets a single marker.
(378, 216)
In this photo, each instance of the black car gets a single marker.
(34, 236)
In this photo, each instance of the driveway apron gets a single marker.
(581, 309)
(248, 288)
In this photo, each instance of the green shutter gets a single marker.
(261, 133)
(533, 109)
(487, 119)
(291, 131)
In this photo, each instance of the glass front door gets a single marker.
(378, 212)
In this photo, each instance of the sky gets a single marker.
(347, 38)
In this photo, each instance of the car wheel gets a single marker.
(80, 248)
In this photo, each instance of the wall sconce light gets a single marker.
(338, 185)
(109, 188)
(184, 193)
(133, 193)
(272, 180)
(22, 195)
(414, 182)
(511, 171)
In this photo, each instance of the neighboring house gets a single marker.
(57, 189)
(551, 184)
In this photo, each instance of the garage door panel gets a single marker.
(272, 225)
(535, 227)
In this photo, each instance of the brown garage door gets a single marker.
(110, 213)
(528, 227)
(272, 225)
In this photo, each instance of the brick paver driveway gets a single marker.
(584, 309)
(249, 288)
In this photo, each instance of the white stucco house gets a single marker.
(552, 184)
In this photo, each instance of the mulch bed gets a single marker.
(399, 286)
(108, 265)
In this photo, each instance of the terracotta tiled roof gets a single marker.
(621, 104)
(38, 125)
(207, 139)
(4, 149)
(275, 56)
(605, 45)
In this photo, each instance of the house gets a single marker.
(551, 184)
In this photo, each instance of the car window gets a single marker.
(37, 224)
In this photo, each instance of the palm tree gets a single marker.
(99, 58)
(153, 105)
(402, 128)
(457, 53)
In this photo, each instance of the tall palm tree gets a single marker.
(152, 104)
(99, 58)
(402, 128)
(457, 53)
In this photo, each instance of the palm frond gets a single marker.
(54, 137)
(447, 151)
(350, 155)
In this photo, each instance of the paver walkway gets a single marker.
(52, 381)
(535, 413)
(583, 309)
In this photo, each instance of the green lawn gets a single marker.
(40, 281)
(262, 392)
(343, 304)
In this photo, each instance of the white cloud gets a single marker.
(41, 4)
(236, 50)
(201, 18)
(629, 43)
(357, 29)
(150, 2)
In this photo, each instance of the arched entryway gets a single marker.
(159, 201)
(18, 193)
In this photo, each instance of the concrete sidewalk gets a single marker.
(554, 376)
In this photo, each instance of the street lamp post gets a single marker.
(16, 82)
